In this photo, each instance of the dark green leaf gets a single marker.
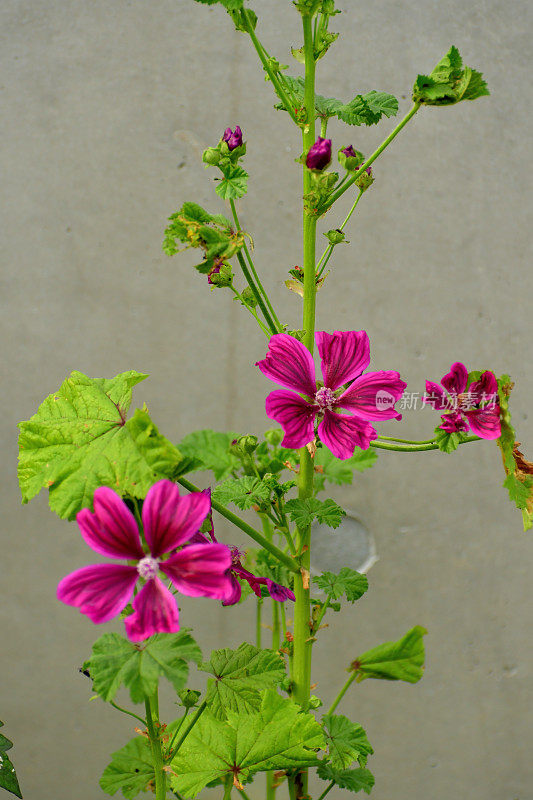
(79, 439)
(115, 661)
(244, 492)
(354, 780)
(303, 512)
(395, 661)
(348, 582)
(347, 742)
(280, 736)
(130, 770)
(212, 450)
(239, 677)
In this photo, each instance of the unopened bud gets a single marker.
(221, 275)
(248, 297)
(211, 156)
(274, 436)
(189, 697)
(350, 159)
(319, 154)
(335, 236)
(365, 180)
(247, 443)
(233, 138)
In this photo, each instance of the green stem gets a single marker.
(415, 448)
(261, 52)
(405, 441)
(323, 610)
(243, 526)
(301, 665)
(243, 794)
(253, 269)
(125, 711)
(335, 196)
(152, 716)
(228, 787)
(260, 302)
(329, 250)
(178, 729)
(270, 780)
(252, 312)
(199, 711)
(342, 692)
(327, 790)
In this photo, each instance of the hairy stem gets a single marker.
(240, 523)
(335, 196)
(417, 447)
(152, 718)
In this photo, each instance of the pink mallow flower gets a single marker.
(102, 591)
(344, 356)
(473, 407)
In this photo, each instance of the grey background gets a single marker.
(106, 108)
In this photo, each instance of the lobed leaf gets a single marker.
(303, 512)
(354, 780)
(449, 82)
(347, 742)
(131, 769)
(212, 451)
(337, 471)
(395, 661)
(348, 582)
(244, 492)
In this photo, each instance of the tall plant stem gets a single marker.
(152, 718)
(270, 779)
(301, 665)
(335, 196)
(253, 269)
(257, 294)
(240, 523)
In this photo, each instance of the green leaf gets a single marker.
(449, 82)
(279, 736)
(115, 661)
(239, 677)
(234, 184)
(347, 742)
(519, 480)
(447, 442)
(519, 491)
(8, 776)
(244, 492)
(348, 582)
(303, 512)
(131, 769)
(79, 439)
(212, 450)
(338, 471)
(395, 661)
(354, 780)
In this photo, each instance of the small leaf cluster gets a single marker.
(449, 82)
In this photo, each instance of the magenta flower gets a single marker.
(474, 407)
(236, 570)
(349, 152)
(102, 591)
(319, 154)
(344, 356)
(233, 138)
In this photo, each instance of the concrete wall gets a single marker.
(106, 108)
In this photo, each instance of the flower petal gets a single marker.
(279, 592)
(295, 415)
(455, 381)
(344, 355)
(341, 433)
(155, 611)
(100, 591)
(436, 396)
(170, 519)
(453, 423)
(485, 390)
(373, 395)
(289, 363)
(199, 570)
(111, 530)
(485, 422)
(234, 592)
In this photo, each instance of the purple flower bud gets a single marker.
(319, 154)
(214, 271)
(233, 138)
(349, 152)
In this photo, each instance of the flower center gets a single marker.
(148, 568)
(325, 398)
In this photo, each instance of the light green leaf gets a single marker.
(244, 492)
(116, 661)
(234, 183)
(239, 677)
(80, 439)
(354, 780)
(340, 471)
(303, 512)
(347, 742)
(395, 661)
(447, 442)
(348, 582)
(130, 770)
(279, 736)
(519, 480)
(449, 82)
(212, 450)
(8, 776)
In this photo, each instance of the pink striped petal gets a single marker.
(453, 423)
(485, 389)
(373, 395)
(111, 530)
(295, 415)
(455, 381)
(199, 570)
(170, 519)
(344, 355)
(436, 396)
(289, 363)
(100, 591)
(234, 592)
(342, 433)
(485, 422)
(155, 611)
